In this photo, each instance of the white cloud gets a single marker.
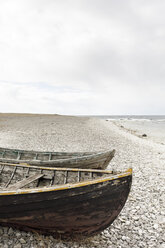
(45, 98)
(83, 57)
(40, 98)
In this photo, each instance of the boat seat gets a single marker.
(25, 182)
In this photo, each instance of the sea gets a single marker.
(151, 125)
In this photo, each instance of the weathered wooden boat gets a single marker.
(61, 201)
(58, 159)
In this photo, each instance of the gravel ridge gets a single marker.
(141, 223)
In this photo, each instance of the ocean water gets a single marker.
(136, 117)
(151, 125)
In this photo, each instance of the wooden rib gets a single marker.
(18, 156)
(50, 156)
(25, 182)
(66, 177)
(79, 175)
(12, 175)
(39, 179)
(3, 154)
(36, 156)
(53, 179)
(27, 173)
(3, 166)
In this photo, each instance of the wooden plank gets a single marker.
(25, 182)
(12, 175)
(41, 166)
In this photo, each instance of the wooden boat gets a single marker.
(58, 159)
(61, 201)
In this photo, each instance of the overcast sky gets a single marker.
(82, 56)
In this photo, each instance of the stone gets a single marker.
(124, 238)
(140, 232)
(5, 246)
(155, 226)
(10, 231)
(162, 245)
(18, 234)
(22, 241)
(17, 246)
(41, 244)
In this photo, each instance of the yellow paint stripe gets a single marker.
(67, 186)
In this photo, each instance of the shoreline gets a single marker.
(137, 136)
(141, 222)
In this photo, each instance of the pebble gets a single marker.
(22, 241)
(162, 245)
(18, 235)
(10, 232)
(140, 232)
(5, 246)
(155, 226)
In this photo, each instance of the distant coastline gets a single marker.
(148, 117)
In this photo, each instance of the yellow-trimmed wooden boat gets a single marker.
(61, 201)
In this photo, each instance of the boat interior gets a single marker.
(17, 176)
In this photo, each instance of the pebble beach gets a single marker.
(141, 222)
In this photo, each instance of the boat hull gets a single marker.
(97, 160)
(80, 211)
